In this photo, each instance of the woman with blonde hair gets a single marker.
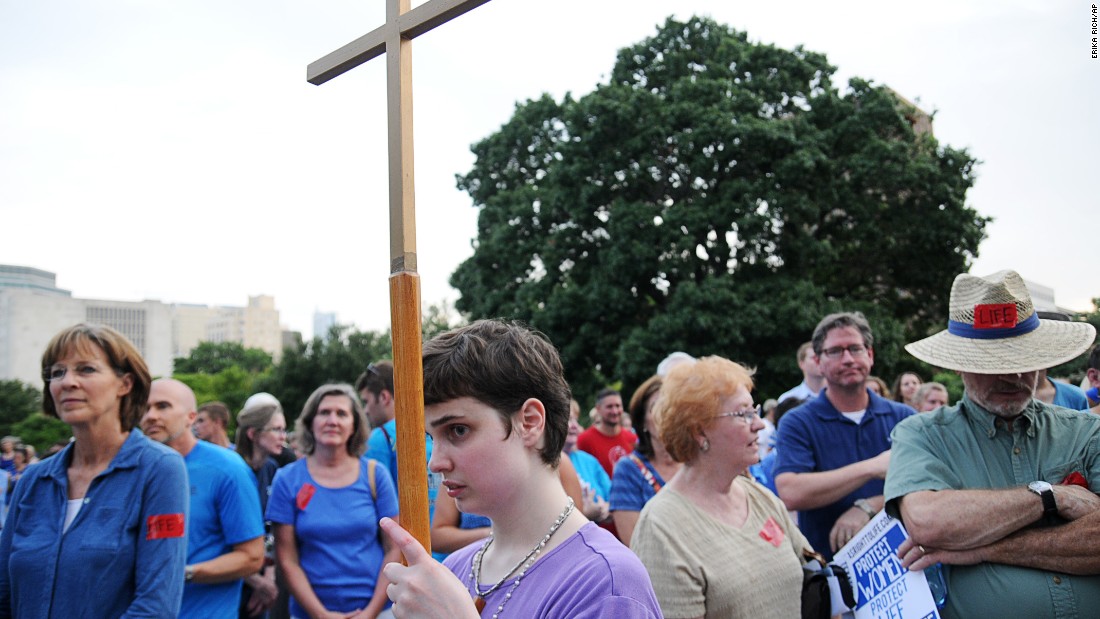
(931, 396)
(716, 543)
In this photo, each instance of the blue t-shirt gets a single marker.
(5, 481)
(264, 476)
(382, 446)
(337, 531)
(764, 472)
(591, 472)
(225, 511)
(816, 437)
(630, 490)
(123, 554)
(473, 521)
(1069, 396)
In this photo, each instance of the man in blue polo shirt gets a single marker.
(834, 449)
(225, 533)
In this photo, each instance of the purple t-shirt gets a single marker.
(591, 575)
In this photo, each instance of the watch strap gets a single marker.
(1046, 494)
(865, 505)
(1050, 508)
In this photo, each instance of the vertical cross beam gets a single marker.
(394, 38)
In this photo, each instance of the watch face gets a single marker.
(1040, 486)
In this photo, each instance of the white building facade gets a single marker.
(33, 309)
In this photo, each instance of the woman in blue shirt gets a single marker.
(639, 476)
(261, 437)
(325, 509)
(101, 524)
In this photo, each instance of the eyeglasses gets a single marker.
(749, 415)
(83, 370)
(836, 352)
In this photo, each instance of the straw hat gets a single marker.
(993, 329)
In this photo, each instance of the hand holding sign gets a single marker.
(876, 560)
(846, 527)
(423, 588)
(915, 557)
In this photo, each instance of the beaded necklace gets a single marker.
(526, 563)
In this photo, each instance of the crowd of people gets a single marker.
(704, 504)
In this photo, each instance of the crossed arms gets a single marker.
(966, 527)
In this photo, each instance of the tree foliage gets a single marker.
(340, 358)
(214, 357)
(231, 386)
(716, 196)
(42, 431)
(18, 401)
(1074, 369)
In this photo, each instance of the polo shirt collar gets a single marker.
(825, 411)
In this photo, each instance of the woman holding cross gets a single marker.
(497, 407)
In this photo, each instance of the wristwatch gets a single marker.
(1046, 492)
(188, 573)
(865, 505)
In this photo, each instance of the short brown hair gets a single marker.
(377, 378)
(501, 364)
(216, 411)
(357, 442)
(806, 346)
(842, 320)
(689, 401)
(638, 403)
(121, 354)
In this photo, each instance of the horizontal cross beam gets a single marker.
(373, 44)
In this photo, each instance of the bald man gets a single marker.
(225, 533)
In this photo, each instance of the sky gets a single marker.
(175, 151)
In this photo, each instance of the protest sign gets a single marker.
(883, 588)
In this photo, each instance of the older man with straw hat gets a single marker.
(1000, 488)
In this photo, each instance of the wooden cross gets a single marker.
(394, 38)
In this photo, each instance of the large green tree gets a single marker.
(213, 357)
(716, 196)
